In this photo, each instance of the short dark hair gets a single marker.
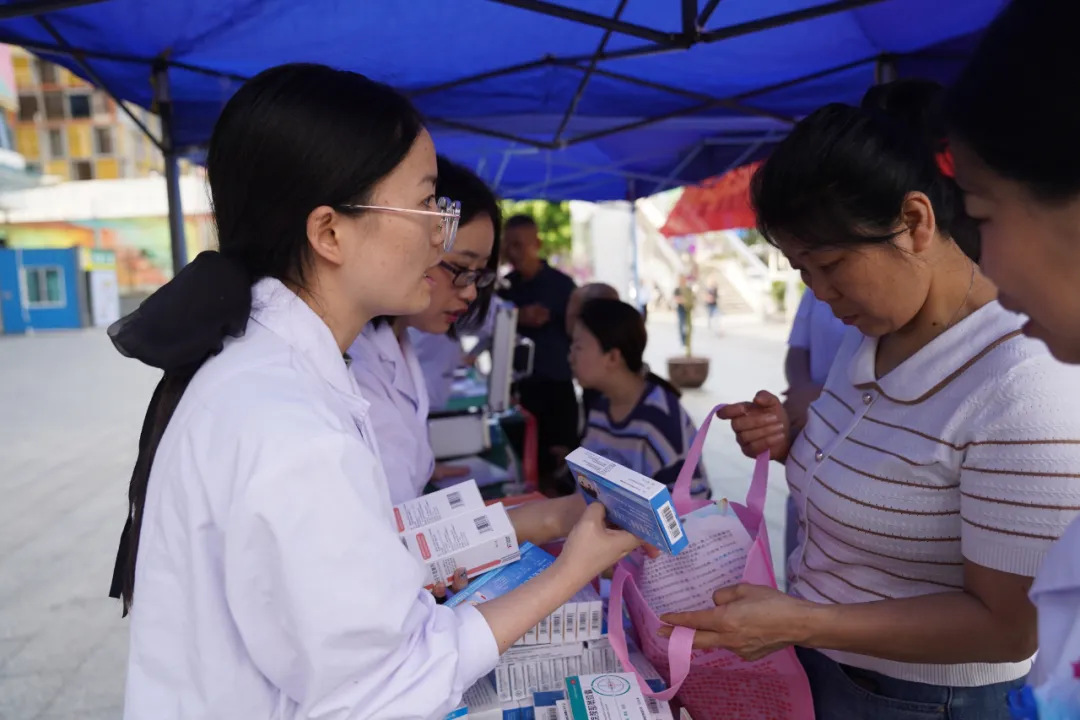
(620, 326)
(477, 200)
(1010, 107)
(840, 177)
(516, 221)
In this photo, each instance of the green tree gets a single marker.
(553, 220)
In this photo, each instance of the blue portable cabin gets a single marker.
(43, 289)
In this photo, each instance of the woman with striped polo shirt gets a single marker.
(940, 462)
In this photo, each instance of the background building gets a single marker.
(67, 129)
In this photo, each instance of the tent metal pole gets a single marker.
(40, 7)
(600, 21)
(689, 22)
(635, 271)
(92, 75)
(677, 170)
(690, 94)
(718, 102)
(884, 70)
(476, 130)
(163, 102)
(584, 83)
(784, 19)
(706, 13)
(480, 77)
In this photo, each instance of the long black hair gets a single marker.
(1011, 106)
(840, 177)
(477, 200)
(292, 139)
(619, 326)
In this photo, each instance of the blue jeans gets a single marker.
(846, 693)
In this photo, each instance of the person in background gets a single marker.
(542, 295)
(683, 298)
(1027, 203)
(816, 335)
(939, 464)
(389, 375)
(644, 298)
(638, 421)
(712, 302)
(260, 538)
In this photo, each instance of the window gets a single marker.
(44, 286)
(56, 144)
(99, 103)
(28, 108)
(80, 105)
(82, 170)
(46, 72)
(103, 144)
(54, 105)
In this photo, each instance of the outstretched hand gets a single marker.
(761, 424)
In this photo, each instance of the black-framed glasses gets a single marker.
(464, 277)
(448, 212)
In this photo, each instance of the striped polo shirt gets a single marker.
(968, 450)
(652, 440)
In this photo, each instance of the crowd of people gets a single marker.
(929, 433)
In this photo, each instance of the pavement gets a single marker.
(70, 412)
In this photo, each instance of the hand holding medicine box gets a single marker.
(453, 529)
(634, 502)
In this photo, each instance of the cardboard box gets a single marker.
(634, 502)
(478, 541)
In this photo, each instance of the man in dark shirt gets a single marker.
(541, 294)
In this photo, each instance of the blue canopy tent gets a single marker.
(585, 99)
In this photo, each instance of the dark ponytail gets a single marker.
(840, 177)
(619, 326)
(292, 139)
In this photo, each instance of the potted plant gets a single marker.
(687, 371)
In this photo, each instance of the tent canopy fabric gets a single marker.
(721, 203)
(623, 97)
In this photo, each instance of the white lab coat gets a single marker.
(439, 356)
(391, 379)
(270, 581)
(1056, 594)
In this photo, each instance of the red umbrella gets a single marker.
(719, 203)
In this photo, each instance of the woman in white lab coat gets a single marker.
(392, 380)
(260, 564)
(1017, 156)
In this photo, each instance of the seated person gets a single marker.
(580, 296)
(639, 421)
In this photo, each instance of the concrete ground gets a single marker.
(70, 413)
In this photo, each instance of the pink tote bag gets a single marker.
(713, 684)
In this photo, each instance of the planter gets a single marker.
(688, 372)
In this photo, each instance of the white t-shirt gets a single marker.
(819, 331)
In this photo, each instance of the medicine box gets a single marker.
(635, 503)
(479, 541)
(533, 561)
(438, 506)
(609, 696)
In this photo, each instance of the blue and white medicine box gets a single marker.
(501, 581)
(635, 503)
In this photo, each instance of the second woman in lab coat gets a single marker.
(260, 563)
(390, 376)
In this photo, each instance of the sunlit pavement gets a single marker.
(70, 413)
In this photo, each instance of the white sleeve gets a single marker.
(399, 447)
(1018, 481)
(800, 326)
(328, 602)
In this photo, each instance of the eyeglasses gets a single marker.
(449, 214)
(464, 277)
